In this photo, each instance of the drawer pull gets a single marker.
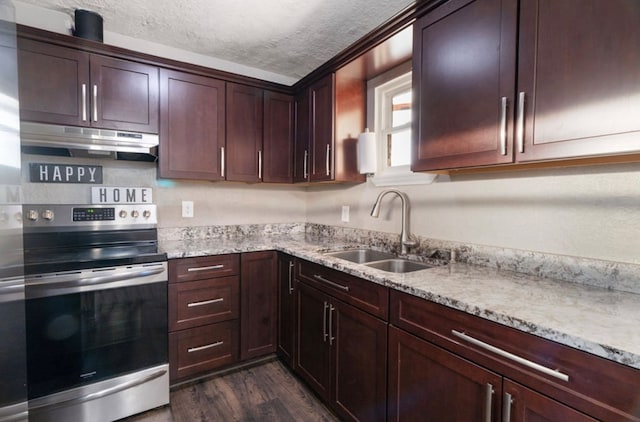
(506, 407)
(204, 302)
(207, 346)
(324, 322)
(331, 283)
(211, 267)
(331, 337)
(548, 371)
(488, 402)
(291, 277)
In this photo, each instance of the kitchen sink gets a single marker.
(398, 265)
(361, 256)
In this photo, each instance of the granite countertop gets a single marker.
(596, 320)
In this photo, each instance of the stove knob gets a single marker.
(135, 214)
(123, 214)
(32, 215)
(47, 215)
(146, 213)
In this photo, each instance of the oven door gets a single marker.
(88, 326)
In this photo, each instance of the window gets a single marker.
(389, 110)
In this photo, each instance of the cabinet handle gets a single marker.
(207, 346)
(331, 337)
(222, 161)
(95, 103)
(506, 407)
(488, 402)
(84, 102)
(305, 164)
(529, 364)
(520, 122)
(503, 126)
(205, 302)
(260, 164)
(331, 283)
(328, 163)
(290, 277)
(324, 322)
(211, 267)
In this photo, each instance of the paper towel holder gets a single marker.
(367, 152)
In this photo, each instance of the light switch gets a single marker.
(187, 209)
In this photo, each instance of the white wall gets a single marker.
(591, 212)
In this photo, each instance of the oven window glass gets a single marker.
(82, 338)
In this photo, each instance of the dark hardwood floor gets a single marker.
(267, 392)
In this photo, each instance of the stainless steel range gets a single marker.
(96, 312)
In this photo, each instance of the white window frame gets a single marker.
(380, 91)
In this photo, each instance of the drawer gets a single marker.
(596, 386)
(363, 294)
(198, 350)
(202, 302)
(201, 268)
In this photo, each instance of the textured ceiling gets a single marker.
(286, 37)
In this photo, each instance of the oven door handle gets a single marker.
(49, 284)
(99, 394)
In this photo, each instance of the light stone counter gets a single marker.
(603, 322)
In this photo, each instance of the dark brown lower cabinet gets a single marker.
(286, 309)
(525, 405)
(341, 353)
(429, 383)
(258, 304)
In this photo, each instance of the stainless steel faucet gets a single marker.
(405, 235)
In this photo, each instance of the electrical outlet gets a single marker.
(187, 209)
(345, 213)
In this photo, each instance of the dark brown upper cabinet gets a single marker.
(574, 95)
(244, 133)
(192, 126)
(329, 116)
(259, 135)
(65, 86)
(277, 156)
(577, 74)
(463, 67)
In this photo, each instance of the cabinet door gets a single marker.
(258, 303)
(359, 343)
(430, 383)
(313, 352)
(277, 154)
(301, 150)
(525, 405)
(463, 79)
(124, 95)
(244, 133)
(192, 126)
(322, 100)
(54, 84)
(286, 309)
(579, 83)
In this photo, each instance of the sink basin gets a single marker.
(360, 256)
(398, 265)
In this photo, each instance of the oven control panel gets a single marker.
(40, 216)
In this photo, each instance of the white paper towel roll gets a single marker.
(367, 152)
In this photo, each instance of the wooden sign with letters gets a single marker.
(117, 195)
(65, 173)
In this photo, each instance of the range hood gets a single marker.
(74, 141)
